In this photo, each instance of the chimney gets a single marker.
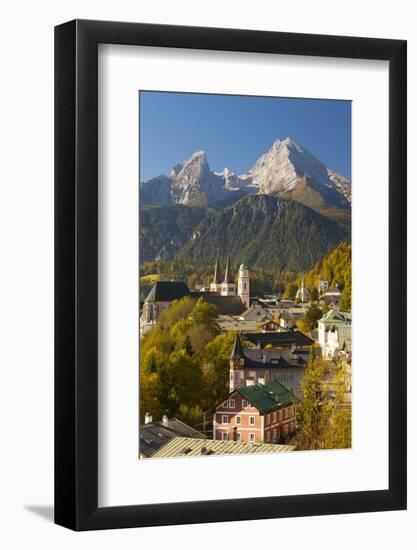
(165, 420)
(148, 418)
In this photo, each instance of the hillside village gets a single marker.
(245, 312)
(243, 373)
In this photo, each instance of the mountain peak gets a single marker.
(286, 169)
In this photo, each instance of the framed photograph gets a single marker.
(230, 252)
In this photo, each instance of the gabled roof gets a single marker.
(268, 398)
(265, 358)
(184, 446)
(153, 435)
(284, 339)
(257, 312)
(167, 291)
(334, 317)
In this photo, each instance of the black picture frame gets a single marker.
(76, 271)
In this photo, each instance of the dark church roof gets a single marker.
(167, 291)
(226, 305)
(154, 435)
(282, 339)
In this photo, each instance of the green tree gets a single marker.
(323, 423)
(313, 414)
(291, 290)
(215, 362)
(314, 294)
(187, 346)
(313, 314)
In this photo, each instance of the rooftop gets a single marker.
(185, 447)
(154, 435)
(226, 305)
(336, 317)
(284, 339)
(167, 291)
(268, 398)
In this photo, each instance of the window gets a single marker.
(268, 419)
(232, 403)
(252, 438)
(252, 421)
(238, 436)
(238, 420)
(275, 416)
(224, 436)
(225, 405)
(285, 429)
(279, 416)
(225, 419)
(268, 435)
(245, 404)
(274, 433)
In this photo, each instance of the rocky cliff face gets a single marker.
(287, 170)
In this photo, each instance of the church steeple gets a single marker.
(216, 284)
(228, 287)
(216, 278)
(228, 277)
(237, 350)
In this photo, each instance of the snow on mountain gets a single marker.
(287, 170)
(343, 185)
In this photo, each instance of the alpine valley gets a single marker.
(285, 213)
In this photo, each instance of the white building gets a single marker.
(303, 294)
(335, 333)
(243, 286)
(322, 286)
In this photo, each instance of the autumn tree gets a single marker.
(291, 290)
(323, 423)
(313, 314)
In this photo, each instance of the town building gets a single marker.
(256, 313)
(256, 414)
(155, 434)
(228, 287)
(163, 293)
(216, 284)
(332, 296)
(303, 294)
(288, 318)
(158, 300)
(322, 286)
(228, 323)
(293, 339)
(251, 366)
(187, 447)
(335, 333)
(243, 284)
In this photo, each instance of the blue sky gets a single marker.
(235, 131)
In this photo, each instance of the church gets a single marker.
(229, 298)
